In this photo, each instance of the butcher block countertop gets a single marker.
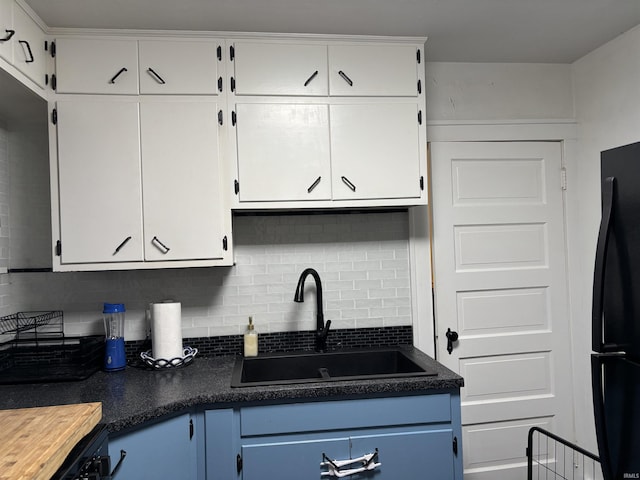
(34, 442)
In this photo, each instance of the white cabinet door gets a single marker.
(375, 151)
(283, 152)
(280, 69)
(99, 181)
(179, 67)
(29, 53)
(6, 28)
(181, 180)
(85, 65)
(373, 70)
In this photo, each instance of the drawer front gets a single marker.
(345, 414)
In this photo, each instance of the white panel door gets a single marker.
(178, 67)
(280, 69)
(283, 152)
(99, 181)
(181, 180)
(375, 151)
(500, 284)
(6, 28)
(85, 65)
(373, 70)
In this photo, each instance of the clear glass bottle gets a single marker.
(250, 340)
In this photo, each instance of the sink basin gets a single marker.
(307, 367)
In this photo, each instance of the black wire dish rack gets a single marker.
(34, 349)
(550, 457)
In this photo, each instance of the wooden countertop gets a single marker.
(34, 442)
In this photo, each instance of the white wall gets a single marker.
(607, 100)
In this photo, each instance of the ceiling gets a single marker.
(547, 31)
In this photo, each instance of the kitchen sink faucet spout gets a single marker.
(322, 329)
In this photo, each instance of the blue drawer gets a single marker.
(345, 414)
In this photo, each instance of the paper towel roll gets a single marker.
(166, 330)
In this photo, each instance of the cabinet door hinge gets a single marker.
(190, 428)
(419, 117)
(54, 116)
(52, 50)
(418, 55)
(421, 182)
(220, 84)
(54, 81)
(219, 53)
(419, 87)
(234, 118)
(236, 186)
(232, 53)
(239, 463)
(563, 178)
(224, 243)
(58, 248)
(455, 446)
(220, 119)
(232, 83)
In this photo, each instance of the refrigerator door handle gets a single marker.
(600, 420)
(597, 341)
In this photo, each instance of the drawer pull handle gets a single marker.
(348, 183)
(346, 78)
(353, 466)
(10, 33)
(155, 75)
(120, 72)
(313, 75)
(124, 242)
(314, 185)
(160, 246)
(28, 58)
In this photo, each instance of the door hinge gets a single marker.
(220, 84)
(418, 55)
(224, 243)
(239, 463)
(220, 120)
(54, 81)
(419, 117)
(455, 446)
(234, 118)
(236, 186)
(190, 428)
(232, 84)
(419, 87)
(58, 248)
(54, 116)
(232, 53)
(52, 49)
(219, 53)
(421, 182)
(563, 178)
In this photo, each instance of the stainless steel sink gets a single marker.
(307, 367)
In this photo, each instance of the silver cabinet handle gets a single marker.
(159, 245)
(314, 185)
(348, 183)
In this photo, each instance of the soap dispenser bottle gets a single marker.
(250, 340)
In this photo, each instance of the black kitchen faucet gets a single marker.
(322, 329)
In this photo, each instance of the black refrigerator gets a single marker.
(615, 362)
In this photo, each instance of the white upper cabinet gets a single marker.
(373, 70)
(180, 67)
(100, 192)
(7, 30)
(375, 152)
(264, 68)
(183, 208)
(86, 65)
(283, 152)
(22, 42)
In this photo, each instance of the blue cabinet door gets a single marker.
(417, 455)
(291, 460)
(157, 452)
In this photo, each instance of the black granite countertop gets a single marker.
(135, 395)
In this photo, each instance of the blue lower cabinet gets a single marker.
(164, 450)
(415, 438)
